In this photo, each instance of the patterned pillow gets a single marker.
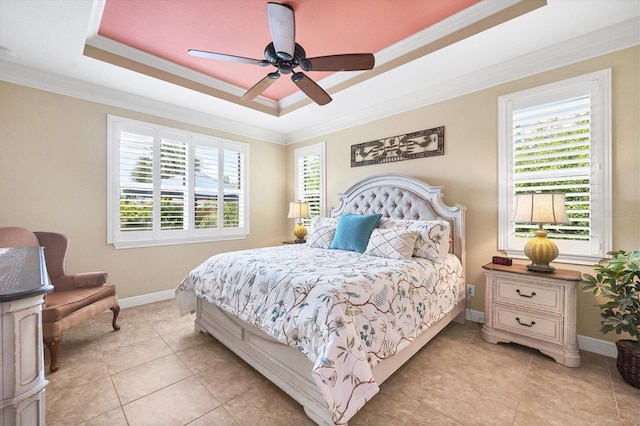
(391, 243)
(433, 236)
(322, 231)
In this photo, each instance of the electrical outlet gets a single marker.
(471, 290)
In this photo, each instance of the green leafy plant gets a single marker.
(619, 281)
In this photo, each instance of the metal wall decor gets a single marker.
(424, 143)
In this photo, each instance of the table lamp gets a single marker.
(540, 208)
(299, 210)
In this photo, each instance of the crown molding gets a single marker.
(598, 43)
(37, 79)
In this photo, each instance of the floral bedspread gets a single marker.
(343, 310)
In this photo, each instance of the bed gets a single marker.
(329, 326)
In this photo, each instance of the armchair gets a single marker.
(75, 299)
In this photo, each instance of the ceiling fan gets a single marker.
(287, 55)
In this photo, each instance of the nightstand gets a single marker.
(534, 309)
(294, 242)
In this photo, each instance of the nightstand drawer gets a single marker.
(538, 326)
(527, 293)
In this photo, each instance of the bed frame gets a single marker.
(395, 196)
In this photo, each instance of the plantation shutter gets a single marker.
(234, 206)
(168, 186)
(136, 181)
(309, 173)
(308, 179)
(174, 184)
(552, 153)
(206, 187)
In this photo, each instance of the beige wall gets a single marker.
(468, 170)
(53, 176)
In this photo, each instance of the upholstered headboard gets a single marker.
(404, 197)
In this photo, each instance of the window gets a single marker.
(169, 186)
(310, 178)
(557, 138)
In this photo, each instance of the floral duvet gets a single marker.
(343, 310)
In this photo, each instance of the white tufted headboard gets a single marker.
(404, 197)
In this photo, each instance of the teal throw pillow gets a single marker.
(353, 231)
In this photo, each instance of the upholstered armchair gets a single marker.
(75, 299)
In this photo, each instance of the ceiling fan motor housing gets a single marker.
(286, 66)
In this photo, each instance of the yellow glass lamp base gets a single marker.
(300, 232)
(541, 251)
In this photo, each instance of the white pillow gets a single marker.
(433, 236)
(322, 231)
(391, 243)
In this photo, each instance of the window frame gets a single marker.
(598, 86)
(190, 234)
(318, 149)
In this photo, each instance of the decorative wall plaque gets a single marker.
(424, 143)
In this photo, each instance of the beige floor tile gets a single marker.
(157, 359)
(227, 380)
(76, 404)
(205, 355)
(265, 404)
(183, 338)
(176, 404)
(112, 418)
(102, 324)
(125, 357)
(144, 379)
(387, 407)
(128, 334)
(427, 416)
(217, 417)
(470, 403)
(75, 369)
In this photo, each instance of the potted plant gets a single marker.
(619, 281)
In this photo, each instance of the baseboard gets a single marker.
(130, 302)
(597, 346)
(474, 316)
(589, 344)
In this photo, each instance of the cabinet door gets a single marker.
(22, 354)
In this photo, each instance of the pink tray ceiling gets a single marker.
(168, 28)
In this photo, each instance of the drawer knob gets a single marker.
(531, 324)
(528, 296)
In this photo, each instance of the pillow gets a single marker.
(433, 236)
(391, 243)
(353, 231)
(321, 232)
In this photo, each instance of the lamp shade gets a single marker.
(540, 208)
(298, 209)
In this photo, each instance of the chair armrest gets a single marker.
(87, 279)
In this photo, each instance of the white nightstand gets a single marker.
(534, 309)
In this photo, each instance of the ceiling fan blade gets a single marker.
(283, 29)
(311, 88)
(225, 57)
(261, 86)
(346, 62)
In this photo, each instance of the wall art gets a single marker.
(424, 143)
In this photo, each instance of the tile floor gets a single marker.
(157, 371)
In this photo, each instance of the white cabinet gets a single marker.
(533, 309)
(22, 379)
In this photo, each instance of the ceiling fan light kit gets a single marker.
(287, 55)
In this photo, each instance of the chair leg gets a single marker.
(116, 310)
(53, 344)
